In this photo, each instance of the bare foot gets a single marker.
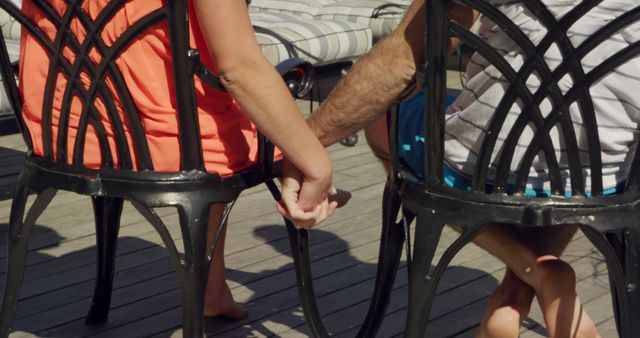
(220, 303)
(563, 312)
(508, 307)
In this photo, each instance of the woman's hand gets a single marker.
(308, 201)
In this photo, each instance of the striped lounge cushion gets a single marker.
(301, 8)
(318, 41)
(379, 15)
(11, 32)
(10, 27)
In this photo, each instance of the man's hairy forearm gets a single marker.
(358, 99)
(373, 82)
(379, 77)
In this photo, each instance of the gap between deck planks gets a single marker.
(146, 299)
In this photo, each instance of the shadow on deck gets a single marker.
(11, 162)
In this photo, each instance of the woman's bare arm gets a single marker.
(260, 92)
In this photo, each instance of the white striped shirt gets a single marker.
(616, 97)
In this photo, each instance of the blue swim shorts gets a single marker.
(411, 152)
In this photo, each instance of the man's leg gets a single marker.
(511, 301)
(378, 140)
(508, 306)
(218, 300)
(552, 279)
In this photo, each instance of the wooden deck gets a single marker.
(60, 274)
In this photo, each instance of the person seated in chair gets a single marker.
(534, 269)
(256, 96)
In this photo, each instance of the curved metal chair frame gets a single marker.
(192, 190)
(610, 222)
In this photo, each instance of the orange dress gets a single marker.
(229, 139)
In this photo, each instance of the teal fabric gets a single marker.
(411, 152)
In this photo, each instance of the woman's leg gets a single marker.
(218, 300)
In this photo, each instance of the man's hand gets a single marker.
(320, 202)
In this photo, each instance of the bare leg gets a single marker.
(218, 300)
(508, 307)
(527, 272)
(511, 301)
(552, 280)
(378, 140)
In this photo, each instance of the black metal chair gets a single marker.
(191, 191)
(611, 222)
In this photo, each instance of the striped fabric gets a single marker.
(379, 15)
(10, 28)
(11, 32)
(301, 8)
(318, 41)
(616, 102)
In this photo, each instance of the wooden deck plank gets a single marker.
(452, 313)
(146, 231)
(457, 321)
(342, 317)
(294, 297)
(11, 162)
(60, 272)
(231, 276)
(46, 283)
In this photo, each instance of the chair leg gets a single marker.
(107, 212)
(194, 271)
(616, 275)
(391, 244)
(630, 324)
(622, 253)
(299, 241)
(422, 285)
(19, 232)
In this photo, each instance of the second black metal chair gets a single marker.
(611, 222)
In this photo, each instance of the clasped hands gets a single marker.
(306, 201)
